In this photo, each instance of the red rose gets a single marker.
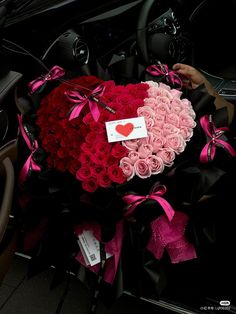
(103, 148)
(99, 159)
(83, 173)
(116, 174)
(90, 185)
(104, 179)
(96, 170)
(61, 153)
(73, 167)
(111, 161)
(118, 151)
(84, 158)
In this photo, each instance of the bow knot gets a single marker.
(55, 73)
(32, 144)
(171, 77)
(80, 100)
(156, 194)
(214, 134)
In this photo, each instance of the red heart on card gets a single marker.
(125, 129)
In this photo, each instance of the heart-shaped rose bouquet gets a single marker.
(72, 119)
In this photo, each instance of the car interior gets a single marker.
(113, 40)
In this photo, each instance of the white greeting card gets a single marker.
(89, 246)
(126, 129)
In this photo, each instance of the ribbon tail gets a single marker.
(204, 153)
(76, 111)
(94, 110)
(169, 211)
(29, 164)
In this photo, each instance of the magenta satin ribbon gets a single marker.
(55, 73)
(209, 150)
(80, 101)
(30, 164)
(156, 195)
(170, 236)
(162, 70)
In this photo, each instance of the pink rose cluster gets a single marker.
(170, 122)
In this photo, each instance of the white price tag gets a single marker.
(89, 246)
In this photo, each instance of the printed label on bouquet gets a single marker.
(126, 129)
(89, 246)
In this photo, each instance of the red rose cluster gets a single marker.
(80, 145)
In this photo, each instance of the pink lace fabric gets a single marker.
(169, 235)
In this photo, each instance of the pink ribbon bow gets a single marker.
(134, 200)
(171, 77)
(215, 134)
(81, 100)
(30, 164)
(170, 236)
(55, 73)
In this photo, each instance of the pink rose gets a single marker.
(162, 108)
(164, 86)
(142, 169)
(170, 129)
(152, 92)
(156, 164)
(149, 123)
(186, 120)
(157, 131)
(163, 100)
(176, 106)
(176, 93)
(133, 156)
(159, 120)
(151, 102)
(157, 142)
(131, 144)
(127, 168)
(145, 150)
(164, 91)
(187, 133)
(152, 84)
(167, 155)
(189, 111)
(176, 142)
(186, 103)
(173, 119)
(146, 112)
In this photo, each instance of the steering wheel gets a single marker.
(162, 39)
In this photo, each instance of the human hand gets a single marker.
(192, 78)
